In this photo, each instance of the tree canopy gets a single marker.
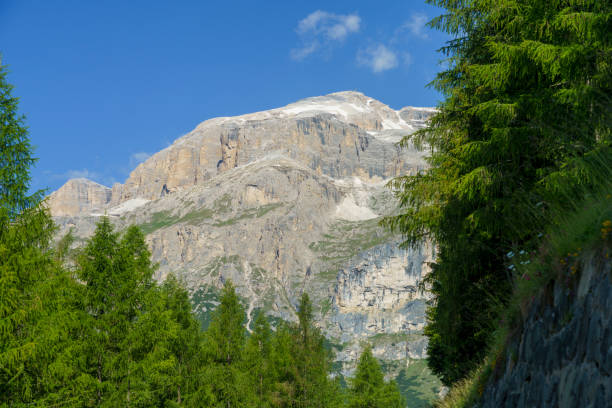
(369, 389)
(524, 125)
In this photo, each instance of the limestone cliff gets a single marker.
(79, 196)
(281, 202)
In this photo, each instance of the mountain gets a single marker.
(280, 202)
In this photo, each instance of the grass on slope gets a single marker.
(250, 213)
(346, 239)
(164, 219)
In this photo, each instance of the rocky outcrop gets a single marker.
(79, 196)
(563, 356)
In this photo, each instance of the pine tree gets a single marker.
(15, 156)
(257, 361)
(526, 120)
(283, 370)
(226, 332)
(313, 386)
(185, 344)
(118, 277)
(368, 389)
(27, 272)
(224, 345)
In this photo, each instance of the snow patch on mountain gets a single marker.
(126, 206)
(349, 210)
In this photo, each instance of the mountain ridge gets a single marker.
(375, 120)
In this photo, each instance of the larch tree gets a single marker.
(257, 361)
(313, 387)
(27, 270)
(368, 389)
(225, 340)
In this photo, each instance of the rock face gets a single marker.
(563, 358)
(79, 196)
(281, 202)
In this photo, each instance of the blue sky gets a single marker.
(104, 84)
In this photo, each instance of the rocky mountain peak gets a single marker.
(78, 196)
(343, 134)
(281, 202)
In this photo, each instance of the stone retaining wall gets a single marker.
(563, 357)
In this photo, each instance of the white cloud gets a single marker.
(416, 25)
(299, 54)
(138, 158)
(312, 21)
(322, 30)
(378, 58)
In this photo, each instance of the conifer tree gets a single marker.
(163, 348)
(16, 157)
(313, 386)
(98, 266)
(283, 370)
(185, 344)
(117, 276)
(224, 348)
(257, 361)
(368, 389)
(26, 269)
(526, 120)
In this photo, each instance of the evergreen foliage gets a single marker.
(258, 363)
(312, 361)
(369, 389)
(524, 126)
(28, 274)
(224, 347)
(15, 156)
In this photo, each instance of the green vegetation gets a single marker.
(516, 197)
(325, 307)
(114, 337)
(418, 384)
(213, 268)
(369, 389)
(223, 204)
(393, 338)
(204, 301)
(164, 219)
(30, 309)
(521, 136)
(196, 217)
(346, 239)
(159, 220)
(575, 237)
(15, 156)
(257, 212)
